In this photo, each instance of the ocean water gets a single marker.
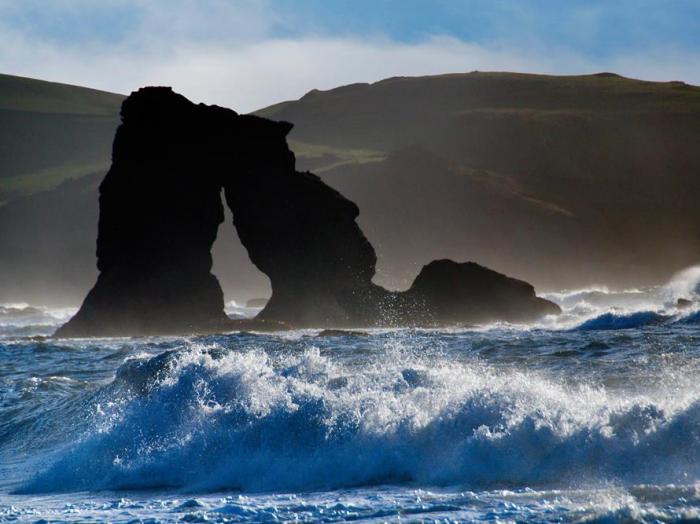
(591, 416)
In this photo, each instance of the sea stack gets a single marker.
(455, 293)
(160, 209)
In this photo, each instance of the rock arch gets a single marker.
(161, 207)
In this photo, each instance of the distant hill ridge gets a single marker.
(27, 94)
(383, 108)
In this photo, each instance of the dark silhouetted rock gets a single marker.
(447, 292)
(160, 209)
(301, 233)
(683, 303)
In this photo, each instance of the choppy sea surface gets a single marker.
(591, 416)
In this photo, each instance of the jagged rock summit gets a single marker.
(160, 209)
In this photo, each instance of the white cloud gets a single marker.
(240, 66)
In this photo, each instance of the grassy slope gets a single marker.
(51, 132)
(38, 96)
(401, 111)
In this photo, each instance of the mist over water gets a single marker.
(591, 415)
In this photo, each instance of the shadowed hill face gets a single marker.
(47, 240)
(595, 177)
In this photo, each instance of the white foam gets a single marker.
(203, 421)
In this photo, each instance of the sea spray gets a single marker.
(206, 418)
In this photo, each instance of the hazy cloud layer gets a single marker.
(247, 55)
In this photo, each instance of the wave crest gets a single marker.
(206, 419)
(629, 321)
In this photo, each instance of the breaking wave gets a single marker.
(600, 308)
(207, 418)
(632, 320)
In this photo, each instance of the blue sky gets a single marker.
(248, 54)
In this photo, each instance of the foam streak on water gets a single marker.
(593, 416)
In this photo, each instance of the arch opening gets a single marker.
(240, 280)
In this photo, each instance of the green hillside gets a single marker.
(51, 132)
(38, 96)
(402, 111)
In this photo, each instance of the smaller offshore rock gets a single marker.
(447, 292)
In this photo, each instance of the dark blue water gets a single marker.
(591, 416)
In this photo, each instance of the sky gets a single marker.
(248, 54)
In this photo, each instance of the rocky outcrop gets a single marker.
(302, 234)
(447, 292)
(160, 209)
